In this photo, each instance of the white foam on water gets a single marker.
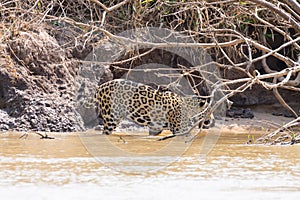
(84, 178)
(153, 188)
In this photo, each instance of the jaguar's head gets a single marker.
(203, 106)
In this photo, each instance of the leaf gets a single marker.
(39, 5)
(269, 35)
(146, 1)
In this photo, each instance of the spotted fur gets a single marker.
(123, 99)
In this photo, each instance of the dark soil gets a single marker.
(37, 85)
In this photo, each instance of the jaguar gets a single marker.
(121, 99)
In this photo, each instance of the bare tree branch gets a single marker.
(294, 5)
(280, 12)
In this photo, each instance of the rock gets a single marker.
(98, 128)
(240, 113)
(4, 127)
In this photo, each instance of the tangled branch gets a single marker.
(242, 37)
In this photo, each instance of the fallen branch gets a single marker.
(43, 136)
(269, 138)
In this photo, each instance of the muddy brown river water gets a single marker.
(91, 166)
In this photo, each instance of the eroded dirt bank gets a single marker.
(37, 84)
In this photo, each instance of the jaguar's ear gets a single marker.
(202, 101)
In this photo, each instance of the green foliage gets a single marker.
(147, 1)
